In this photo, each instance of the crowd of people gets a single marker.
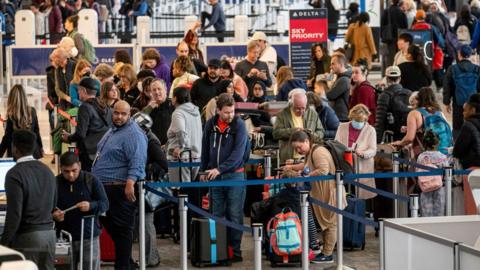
(129, 123)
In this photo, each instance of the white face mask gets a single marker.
(139, 86)
(74, 52)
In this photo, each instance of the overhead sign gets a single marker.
(307, 27)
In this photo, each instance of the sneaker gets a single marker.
(317, 249)
(320, 258)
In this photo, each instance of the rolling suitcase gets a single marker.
(354, 231)
(208, 243)
(91, 218)
(107, 248)
(63, 252)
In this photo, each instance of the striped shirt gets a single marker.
(122, 154)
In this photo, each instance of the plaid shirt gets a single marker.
(122, 154)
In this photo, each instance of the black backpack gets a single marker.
(337, 150)
(399, 107)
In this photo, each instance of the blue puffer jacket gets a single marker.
(224, 151)
(288, 86)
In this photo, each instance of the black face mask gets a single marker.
(86, 74)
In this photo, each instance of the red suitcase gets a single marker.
(107, 248)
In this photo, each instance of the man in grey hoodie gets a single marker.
(184, 135)
(340, 91)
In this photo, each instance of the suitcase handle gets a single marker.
(92, 217)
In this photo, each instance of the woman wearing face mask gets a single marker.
(83, 69)
(71, 26)
(361, 137)
(362, 91)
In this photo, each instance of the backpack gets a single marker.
(285, 234)
(437, 123)
(89, 50)
(431, 182)
(465, 83)
(399, 108)
(337, 150)
(463, 35)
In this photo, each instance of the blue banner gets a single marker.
(238, 52)
(34, 61)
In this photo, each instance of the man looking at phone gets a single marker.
(79, 194)
(252, 69)
(225, 142)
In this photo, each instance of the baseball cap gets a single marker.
(393, 71)
(465, 50)
(259, 35)
(89, 83)
(214, 63)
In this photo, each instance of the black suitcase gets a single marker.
(354, 231)
(208, 243)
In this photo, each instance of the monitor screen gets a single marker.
(5, 166)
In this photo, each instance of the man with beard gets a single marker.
(204, 89)
(225, 143)
(119, 164)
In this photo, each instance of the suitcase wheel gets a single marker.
(226, 263)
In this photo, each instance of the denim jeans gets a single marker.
(228, 202)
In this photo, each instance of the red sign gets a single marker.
(308, 30)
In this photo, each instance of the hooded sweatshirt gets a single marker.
(339, 95)
(162, 71)
(185, 130)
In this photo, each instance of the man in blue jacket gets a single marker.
(216, 18)
(225, 142)
(84, 191)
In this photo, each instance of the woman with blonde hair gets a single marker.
(128, 83)
(361, 137)
(83, 69)
(286, 82)
(20, 116)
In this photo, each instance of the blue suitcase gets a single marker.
(353, 231)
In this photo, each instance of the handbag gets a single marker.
(349, 51)
(153, 201)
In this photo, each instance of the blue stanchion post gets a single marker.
(448, 189)
(414, 205)
(182, 209)
(305, 241)
(257, 244)
(396, 181)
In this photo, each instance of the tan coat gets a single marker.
(366, 144)
(320, 162)
(362, 39)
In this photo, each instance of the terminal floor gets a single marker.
(367, 259)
